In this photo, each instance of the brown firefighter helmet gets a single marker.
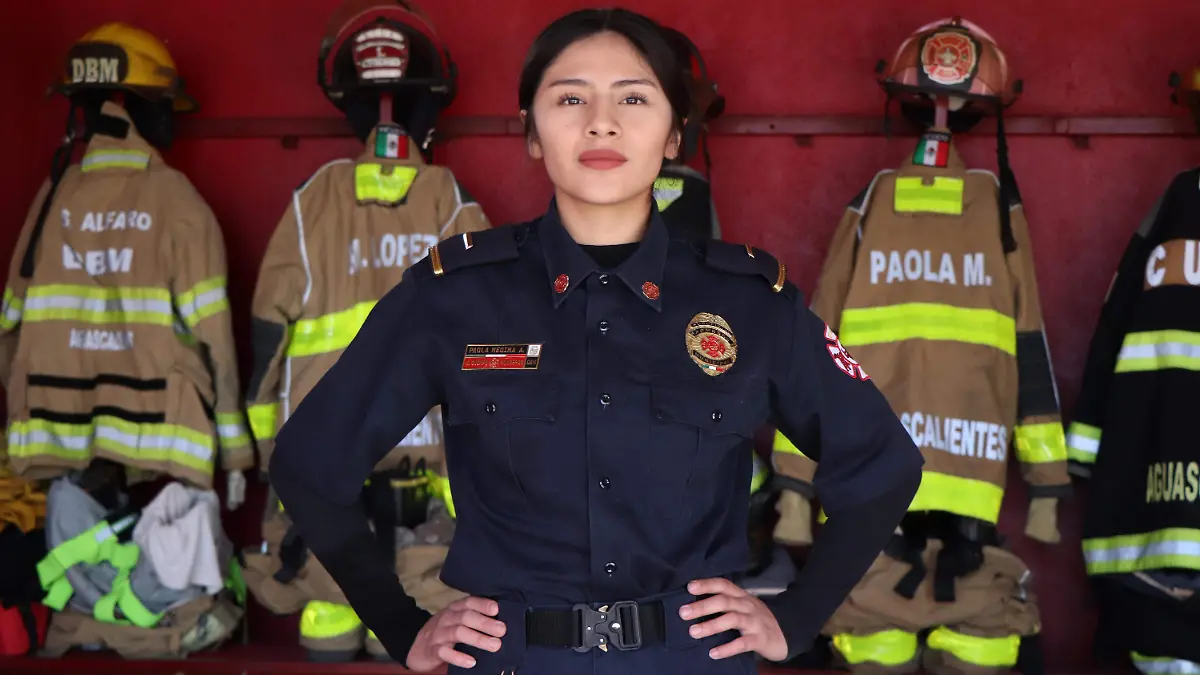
(1187, 92)
(951, 57)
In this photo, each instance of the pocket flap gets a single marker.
(717, 412)
(488, 403)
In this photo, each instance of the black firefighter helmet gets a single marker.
(376, 47)
(706, 103)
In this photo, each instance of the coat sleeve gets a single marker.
(13, 306)
(459, 211)
(829, 298)
(277, 304)
(358, 411)
(1038, 436)
(1084, 434)
(199, 292)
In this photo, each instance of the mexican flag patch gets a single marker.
(391, 143)
(933, 150)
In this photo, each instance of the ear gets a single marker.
(673, 143)
(531, 141)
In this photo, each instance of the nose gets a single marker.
(603, 122)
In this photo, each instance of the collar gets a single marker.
(111, 152)
(568, 265)
(389, 144)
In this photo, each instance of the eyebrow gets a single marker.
(576, 82)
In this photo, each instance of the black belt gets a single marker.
(622, 625)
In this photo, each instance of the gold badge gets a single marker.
(711, 344)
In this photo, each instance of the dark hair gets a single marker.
(647, 37)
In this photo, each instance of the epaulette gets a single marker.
(469, 249)
(745, 259)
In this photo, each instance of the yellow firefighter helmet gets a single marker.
(120, 56)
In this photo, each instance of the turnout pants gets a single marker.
(878, 629)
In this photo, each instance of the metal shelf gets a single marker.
(291, 129)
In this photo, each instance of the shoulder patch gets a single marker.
(745, 259)
(469, 249)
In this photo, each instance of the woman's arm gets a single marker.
(379, 389)
(868, 471)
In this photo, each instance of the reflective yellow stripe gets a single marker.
(323, 620)
(263, 420)
(1083, 442)
(666, 191)
(962, 496)
(1163, 665)
(889, 647)
(761, 471)
(782, 444)
(372, 185)
(10, 311)
(203, 300)
(440, 487)
(147, 442)
(1177, 547)
(89, 304)
(328, 333)
(1159, 350)
(928, 321)
(231, 430)
(944, 196)
(1040, 443)
(114, 159)
(994, 652)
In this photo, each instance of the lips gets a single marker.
(602, 160)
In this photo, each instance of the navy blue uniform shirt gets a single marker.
(598, 423)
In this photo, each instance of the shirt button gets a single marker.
(604, 483)
(716, 415)
(610, 567)
(605, 399)
(490, 408)
(603, 327)
(604, 279)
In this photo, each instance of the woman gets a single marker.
(600, 386)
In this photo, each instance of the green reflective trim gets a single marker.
(98, 305)
(114, 159)
(264, 418)
(888, 647)
(990, 652)
(1159, 350)
(1083, 442)
(782, 444)
(666, 191)
(962, 496)
(10, 310)
(329, 333)
(322, 620)
(944, 196)
(371, 184)
(928, 321)
(1175, 547)
(1040, 443)
(147, 442)
(203, 300)
(232, 431)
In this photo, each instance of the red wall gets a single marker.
(250, 58)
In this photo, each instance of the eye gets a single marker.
(569, 99)
(635, 99)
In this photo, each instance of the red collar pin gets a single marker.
(560, 283)
(650, 290)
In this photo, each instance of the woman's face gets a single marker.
(602, 123)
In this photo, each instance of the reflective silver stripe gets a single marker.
(1159, 350)
(20, 436)
(197, 305)
(1149, 549)
(98, 304)
(115, 158)
(230, 431)
(1085, 445)
(155, 441)
(1164, 665)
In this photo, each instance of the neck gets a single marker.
(604, 224)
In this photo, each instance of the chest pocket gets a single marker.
(701, 445)
(504, 431)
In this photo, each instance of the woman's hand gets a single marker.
(462, 621)
(738, 611)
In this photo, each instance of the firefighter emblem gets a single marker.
(949, 57)
(842, 358)
(711, 344)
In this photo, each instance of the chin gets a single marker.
(597, 188)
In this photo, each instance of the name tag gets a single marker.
(502, 357)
